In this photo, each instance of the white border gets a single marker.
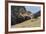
(23, 29)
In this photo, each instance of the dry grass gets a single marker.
(28, 23)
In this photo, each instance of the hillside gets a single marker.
(21, 18)
(28, 23)
(19, 14)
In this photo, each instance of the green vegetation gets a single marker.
(28, 23)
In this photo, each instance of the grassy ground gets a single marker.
(28, 23)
